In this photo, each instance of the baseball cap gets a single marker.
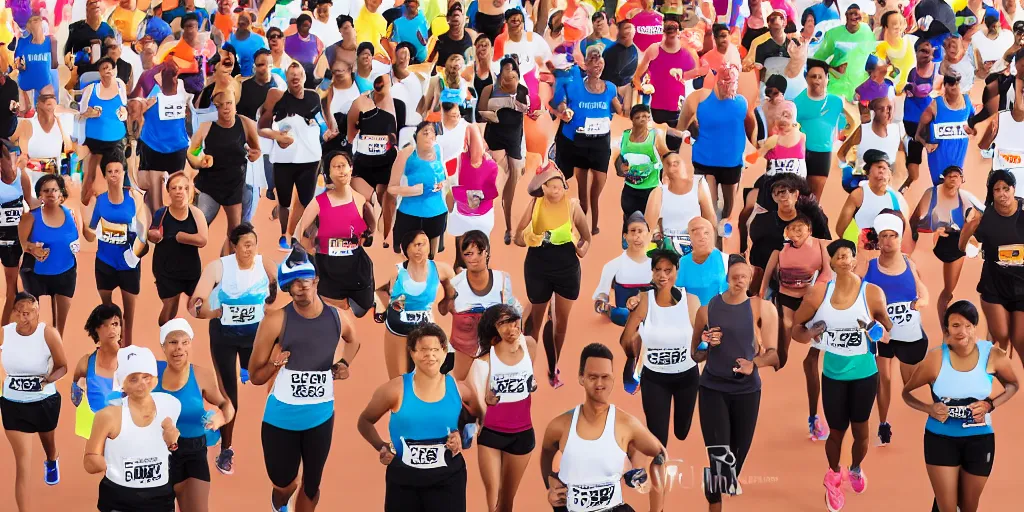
(135, 359)
(873, 156)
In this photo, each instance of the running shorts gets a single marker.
(633, 200)
(425, 490)
(300, 176)
(908, 352)
(723, 175)
(285, 450)
(31, 417)
(669, 117)
(338, 286)
(947, 248)
(393, 322)
(115, 498)
(847, 401)
(103, 147)
(10, 255)
(591, 155)
(167, 287)
(189, 460)
(915, 151)
(519, 443)
(150, 160)
(374, 175)
(564, 154)
(404, 223)
(109, 279)
(973, 454)
(552, 269)
(619, 508)
(793, 303)
(59, 284)
(996, 289)
(819, 163)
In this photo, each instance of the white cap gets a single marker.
(175, 324)
(135, 360)
(888, 222)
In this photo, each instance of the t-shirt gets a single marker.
(81, 35)
(413, 31)
(370, 28)
(38, 62)
(901, 57)
(528, 49)
(246, 49)
(180, 12)
(768, 233)
(620, 63)
(819, 120)
(840, 45)
(328, 33)
(823, 12)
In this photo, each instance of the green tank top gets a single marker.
(644, 165)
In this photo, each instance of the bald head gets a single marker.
(702, 235)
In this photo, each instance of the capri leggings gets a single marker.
(283, 450)
(727, 421)
(224, 351)
(300, 176)
(658, 391)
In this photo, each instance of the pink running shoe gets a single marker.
(858, 480)
(818, 429)
(835, 499)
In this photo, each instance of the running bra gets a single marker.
(241, 296)
(138, 458)
(419, 296)
(97, 387)
(559, 234)
(666, 334)
(190, 421)
(512, 384)
(419, 430)
(115, 231)
(900, 293)
(847, 355)
(26, 361)
(62, 242)
(340, 227)
(592, 469)
(958, 390)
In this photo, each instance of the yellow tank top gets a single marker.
(546, 225)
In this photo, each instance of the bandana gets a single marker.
(728, 80)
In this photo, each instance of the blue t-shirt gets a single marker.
(38, 62)
(202, 14)
(246, 49)
(408, 31)
(591, 112)
(822, 13)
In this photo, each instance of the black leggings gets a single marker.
(633, 200)
(727, 421)
(225, 350)
(658, 391)
(283, 450)
(300, 176)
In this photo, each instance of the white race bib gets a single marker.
(963, 413)
(1008, 159)
(10, 217)
(241, 314)
(171, 107)
(112, 233)
(511, 386)
(785, 165)
(145, 471)
(30, 384)
(591, 497)
(416, 317)
(598, 126)
(666, 359)
(373, 145)
(340, 247)
(428, 455)
(304, 387)
(906, 322)
(949, 131)
(844, 342)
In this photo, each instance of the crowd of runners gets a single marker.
(404, 123)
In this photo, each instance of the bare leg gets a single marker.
(388, 210)
(91, 168)
(395, 355)
(304, 503)
(296, 213)
(813, 381)
(861, 437)
(583, 189)
(834, 448)
(280, 496)
(599, 179)
(129, 317)
(512, 469)
(234, 215)
(817, 184)
(560, 319)
(950, 277)
(61, 306)
(945, 486)
(745, 213)
(884, 396)
(728, 199)
(21, 445)
(11, 278)
(490, 472)
(193, 495)
(168, 309)
(153, 183)
(971, 487)
(998, 320)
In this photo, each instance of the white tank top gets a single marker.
(342, 100)
(843, 334)
(467, 300)
(26, 361)
(453, 140)
(1009, 143)
(138, 457)
(592, 470)
(677, 210)
(666, 334)
(512, 383)
(305, 149)
(241, 293)
(890, 144)
(45, 144)
(873, 204)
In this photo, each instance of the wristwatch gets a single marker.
(991, 404)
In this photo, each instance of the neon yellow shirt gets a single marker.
(901, 57)
(126, 22)
(370, 27)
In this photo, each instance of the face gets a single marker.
(960, 332)
(177, 347)
(303, 291)
(179, 189)
(412, 7)
(26, 312)
(365, 58)
(323, 10)
(419, 249)
(106, 72)
(428, 355)
(224, 5)
(664, 274)
(924, 54)
(797, 232)
(626, 32)
(515, 23)
(1003, 193)
(341, 172)
(373, 5)
(455, 19)
(739, 277)
(190, 30)
(809, 24)
(843, 260)
(246, 247)
(227, 62)
(402, 57)
(673, 166)
(701, 237)
(598, 379)
(896, 25)
(225, 105)
(554, 189)
(475, 258)
(426, 137)
(816, 80)
(295, 77)
(93, 7)
(883, 111)
(785, 198)
(641, 120)
(483, 49)
(888, 241)
(114, 174)
(722, 40)
(47, 103)
(852, 17)
(509, 76)
(348, 31)
(638, 235)
(508, 328)
(952, 89)
(595, 64)
(953, 180)
(138, 385)
(262, 65)
(109, 332)
(777, 24)
(50, 193)
(773, 95)
(454, 65)
(671, 30)
(879, 172)
(303, 28)
(600, 25)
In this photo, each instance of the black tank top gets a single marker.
(226, 146)
(171, 259)
(446, 47)
(478, 85)
(377, 122)
(507, 133)
(253, 97)
(995, 231)
(307, 108)
(312, 341)
(737, 324)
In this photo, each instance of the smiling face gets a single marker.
(428, 355)
(109, 333)
(177, 348)
(475, 259)
(960, 332)
(664, 274)
(26, 313)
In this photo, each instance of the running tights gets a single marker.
(224, 355)
(301, 177)
(658, 391)
(727, 420)
(284, 450)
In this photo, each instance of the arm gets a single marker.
(924, 127)
(207, 381)
(426, 103)
(925, 373)
(266, 123)
(485, 113)
(25, 230)
(700, 322)
(850, 142)
(353, 115)
(806, 312)
(707, 208)
(1001, 366)
(524, 223)
(60, 362)
(271, 269)
(395, 187)
(550, 445)
(877, 307)
(202, 234)
(349, 344)
(103, 426)
(207, 280)
(386, 398)
(769, 335)
(919, 211)
(604, 285)
(849, 209)
(630, 338)
(445, 274)
(652, 214)
(769, 270)
(970, 227)
(53, 53)
(922, 290)
(252, 138)
(197, 161)
(89, 226)
(261, 368)
(309, 216)
(645, 63)
(583, 227)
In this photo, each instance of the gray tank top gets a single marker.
(311, 341)
(737, 324)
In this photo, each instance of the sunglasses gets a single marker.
(275, 36)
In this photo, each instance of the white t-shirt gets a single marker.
(327, 32)
(528, 50)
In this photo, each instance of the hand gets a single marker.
(22, 161)
(284, 140)
(197, 304)
(92, 112)
(387, 454)
(931, 147)
(744, 366)
(19, 63)
(568, 113)
(492, 397)
(330, 134)
(216, 421)
(170, 432)
(632, 302)
(913, 305)
(557, 495)
(339, 371)
(218, 313)
(817, 329)
(979, 409)
(941, 232)
(253, 153)
(519, 107)
(38, 251)
(438, 186)
(939, 411)
(454, 443)
(713, 336)
(647, 89)
(676, 73)
(206, 162)
(281, 359)
(122, 114)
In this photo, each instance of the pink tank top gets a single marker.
(797, 266)
(649, 29)
(782, 159)
(342, 222)
(477, 186)
(668, 90)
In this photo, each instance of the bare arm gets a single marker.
(386, 398)
(211, 393)
(395, 187)
(583, 226)
(309, 216)
(769, 356)
(877, 307)
(922, 290)
(524, 223)
(973, 220)
(630, 337)
(261, 369)
(266, 123)
(60, 362)
(806, 312)
(104, 425)
(700, 322)
(769, 270)
(207, 281)
(197, 142)
(925, 373)
(853, 202)
(252, 138)
(550, 445)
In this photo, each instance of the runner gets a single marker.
(942, 211)
(730, 386)
(258, 174)
(297, 151)
(785, 152)
(502, 106)
(298, 421)
(874, 195)
(178, 231)
(556, 243)
(232, 293)
(192, 386)
(476, 289)
(220, 150)
(345, 224)
(42, 139)
(639, 161)
(917, 94)
(449, 86)
(849, 377)
(656, 333)
(504, 383)
(94, 373)
(342, 92)
(1002, 281)
(32, 359)
(881, 134)
(1007, 129)
(905, 295)
(959, 459)
(418, 178)
(668, 65)
(117, 221)
(367, 69)
(15, 193)
(681, 198)
(943, 128)
(103, 108)
(163, 141)
(819, 114)
(50, 239)
(702, 272)
(593, 439)
(457, 39)
(474, 190)
(373, 126)
(648, 23)
(410, 296)
(626, 275)
(134, 458)
(425, 470)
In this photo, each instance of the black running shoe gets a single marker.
(884, 434)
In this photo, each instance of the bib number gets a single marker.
(10, 217)
(25, 384)
(143, 470)
(901, 313)
(340, 247)
(590, 498)
(113, 233)
(597, 127)
(1008, 159)
(423, 455)
(661, 357)
(241, 314)
(415, 317)
(171, 107)
(963, 413)
(309, 385)
(784, 165)
(373, 145)
(844, 342)
(949, 131)
(1011, 255)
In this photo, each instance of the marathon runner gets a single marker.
(93, 378)
(627, 274)
(15, 194)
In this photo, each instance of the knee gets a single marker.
(284, 485)
(311, 486)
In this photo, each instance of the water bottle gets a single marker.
(244, 375)
(724, 229)
(212, 436)
(875, 331)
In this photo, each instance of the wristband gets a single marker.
(991, 404)
(344, 362)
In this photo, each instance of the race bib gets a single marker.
(598, 126)
(10, 217)
(113, 233)
(1011, 255)
(144, 470)
(590, 497)
(1008, 159)
(784, 165)
(416, 317)
(373, 145)
(241, 314)
(171, 107)
(906, 321)
(511, 386)
(310, 385)
(423, 455)
(340, 247)
(31, 384)
(949, 131)
(963, 413)
(844, 342)
(665, 357)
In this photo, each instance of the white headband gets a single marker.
(888, 222)
(175, 324)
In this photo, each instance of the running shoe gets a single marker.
(555, 379)
(817, 428)
(858, 480)
(283, 245)
(226, 461)
(835, 499)
(284, 508)
(52, 476)
(884, 434)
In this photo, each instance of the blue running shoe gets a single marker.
(284, 508)
(244, 375)
(52, 476)
(283, 245)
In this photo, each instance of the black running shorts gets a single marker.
(519, 443)
(31, 417)
(973, 454)
(847, 401)
(911, 352)
(189, 460)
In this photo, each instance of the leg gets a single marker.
(305, 189)
(249, 200)
(861, 437)
(817, 184)
(395, 355)
(561, 326)
(61, 307)
(193, 495)
(583, 188)
(224, 356)
(884, 388)
(21, 445)
(684, 394)
(458, 254)
(971, 487)
(11, 279)
(599, 179)
(813, 383)
(129, 317)
(153, 183)
(534, 321)
(462, 365)
(284, 183)
(512, 469)
(168, 309)
(785, 330)
(49, 442)
(728, 198)
(1017, 330)
(716, 428)
(944, 481)
(745, 213)
(390, 205)
(209, 207)
(234, 215)
(316, 446)
(950, 277)
(998, 319)
(743, 413)
(91, 168)
(834, 447)
(713, 186)
(281, 455)
(656, 397)
(490, 473)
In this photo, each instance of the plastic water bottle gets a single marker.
(875, 331)
(724, 229)
(212, 436)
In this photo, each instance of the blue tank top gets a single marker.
(115, 229)
(190, 421)
(592, 113)
(958, 390)
(722, 136)
(97, 387)
(240, 295)
(418, 171)
(931, 222)
(947, 130)
(705, 280)
(900, 291)
(107, 127)
(914, 106)
(37, 57)
(417, 420)
(164, 127)
(61, 241)
(422, 301)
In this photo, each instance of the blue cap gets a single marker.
(295, 266)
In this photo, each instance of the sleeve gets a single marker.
(561, 93)
(541, 48)
(607, 276)
(95, 219)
